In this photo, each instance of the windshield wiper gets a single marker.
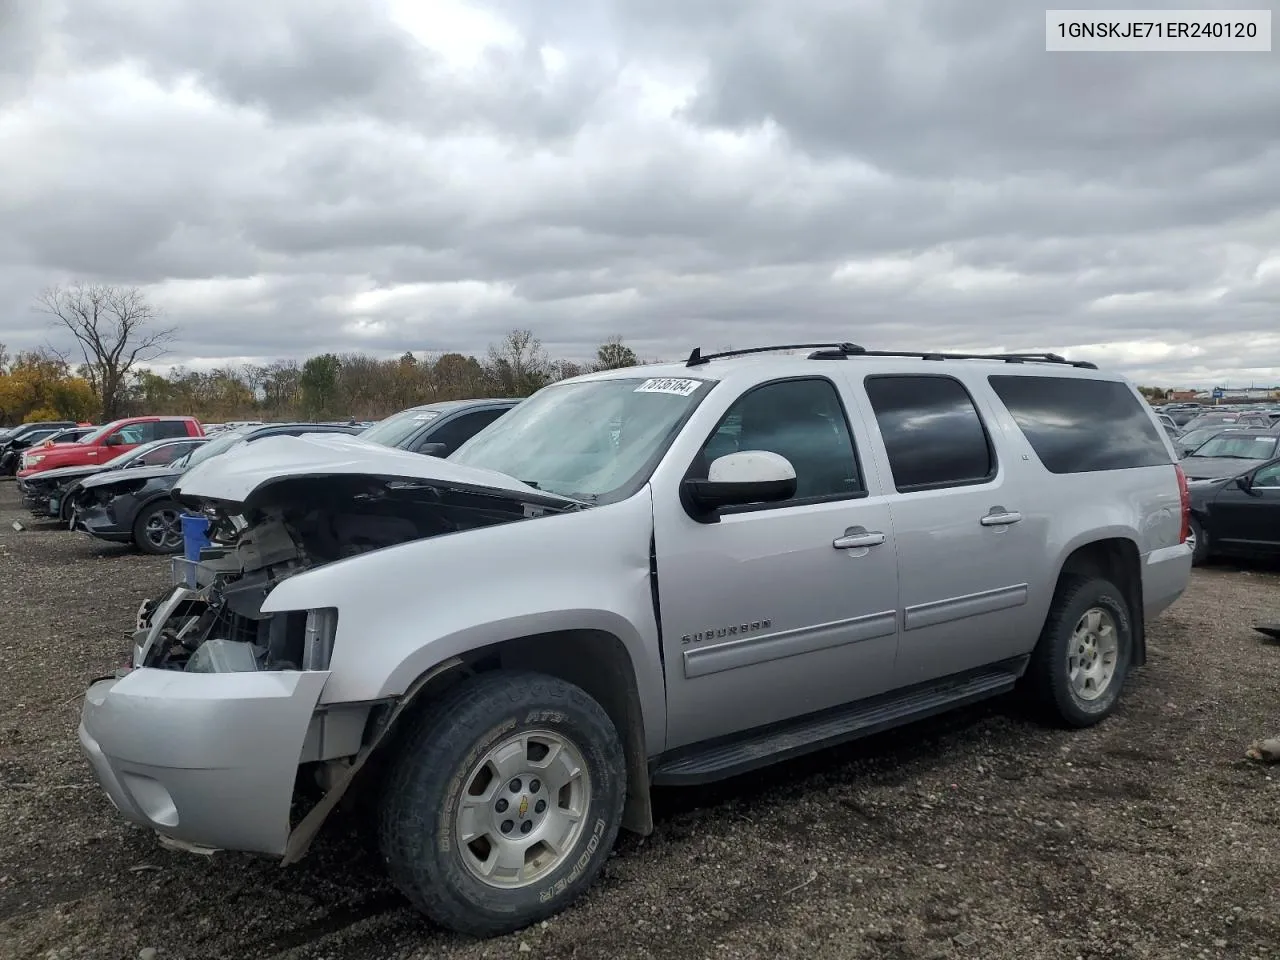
(531, 483)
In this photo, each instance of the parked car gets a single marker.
(49, 493)
(1227, 419)
(134, 506)
(1230, 452)
(1181, 414)
(1191, 440)
(655, 575)
(110, 441)
(1237, 515)
(437, 429)
(20, 438)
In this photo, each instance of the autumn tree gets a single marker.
(613, 354)
(39, 386)
(115, 329)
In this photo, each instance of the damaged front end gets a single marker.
(215, 736)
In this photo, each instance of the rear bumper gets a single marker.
(206, 760)
(1166, 572)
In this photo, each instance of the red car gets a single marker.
(108, 442)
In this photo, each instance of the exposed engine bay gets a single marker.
(289, 526)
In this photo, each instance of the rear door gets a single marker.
(966, 553)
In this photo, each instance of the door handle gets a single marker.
(856, 537)
(1000, 518)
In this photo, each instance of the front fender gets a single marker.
(404, 609)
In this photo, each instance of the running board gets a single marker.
(729, 757)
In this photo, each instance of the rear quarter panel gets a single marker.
(1140, 504)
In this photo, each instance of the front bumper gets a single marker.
(98, 520)
(207, 760)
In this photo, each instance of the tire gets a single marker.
(449, 753)
(1201, 552)
(157, 545)
(64, 508)
(1049, 677)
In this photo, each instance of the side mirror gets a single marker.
(434, 449)
(1245, 482)
(114, 440)
(738, 479)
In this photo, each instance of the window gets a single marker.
(1237, 446)
(135, 434)
(1076, 425)
(1268, 476)
(931, 430)
(801, 420)
(594, 440)
(164, 454)
(169, 429)
(454, 433)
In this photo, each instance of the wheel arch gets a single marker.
(593, 659)
(1118, 560)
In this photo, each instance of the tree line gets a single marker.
(117, 337)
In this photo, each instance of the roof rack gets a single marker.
(697, 357)
(841, 351)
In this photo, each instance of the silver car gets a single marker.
(653, 575)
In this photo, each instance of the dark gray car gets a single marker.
(1229, 453)
(437, 429)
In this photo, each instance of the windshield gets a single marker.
(1193, 438)
(1246, 447)
(592, 440)
(211, 449)
(398, 427)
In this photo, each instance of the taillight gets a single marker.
(1184, 494)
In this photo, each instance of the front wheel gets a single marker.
(1081, 661)
(158, 528)
(503, 802)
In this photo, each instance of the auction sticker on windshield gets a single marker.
(429, 415)
(681, 388)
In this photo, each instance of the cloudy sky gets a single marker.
(291, 176)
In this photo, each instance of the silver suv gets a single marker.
(662, 575)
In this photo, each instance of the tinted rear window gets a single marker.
(1081, 426)
(931, 431)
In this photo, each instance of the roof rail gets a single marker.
(840, 351)
(697, 357)
(1005, 357)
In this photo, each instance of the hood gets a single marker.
(1208, 468)
(58, 474)
(245, 471)
(104, 477)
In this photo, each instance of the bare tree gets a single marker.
(115, 330)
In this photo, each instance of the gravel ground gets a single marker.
(978, 835)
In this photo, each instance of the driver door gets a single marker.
(1248, 521)
(772, 612)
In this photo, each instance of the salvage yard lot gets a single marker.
(977, 835)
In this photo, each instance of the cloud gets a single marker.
(385, 175)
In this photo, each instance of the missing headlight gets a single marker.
(317, 643)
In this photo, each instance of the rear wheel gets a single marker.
(1082, 659)
(503, 802)
(158, 528)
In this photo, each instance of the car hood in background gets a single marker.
(58, 474)
(106, 477)
(235, 476)
(1210, 468)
